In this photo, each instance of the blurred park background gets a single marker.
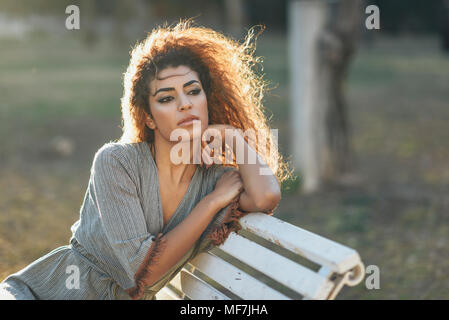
(60, 96)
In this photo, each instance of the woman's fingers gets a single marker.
(236, 180)
(206, 159)
(225, 155)
(229, 186)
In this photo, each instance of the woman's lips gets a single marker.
(187, 122)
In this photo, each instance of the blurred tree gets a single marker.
(336, 47)
(29, 7)
(444, 30)
(272, 14)
(120, 20)
(235, 17)
(411, 16)
(323, 38)
(88, 9)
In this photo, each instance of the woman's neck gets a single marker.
(167, 169)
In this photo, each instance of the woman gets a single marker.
(145, 214)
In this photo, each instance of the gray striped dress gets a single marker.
(118, 234)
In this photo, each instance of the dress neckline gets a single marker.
(159, 199)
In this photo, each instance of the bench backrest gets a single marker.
(268, 259)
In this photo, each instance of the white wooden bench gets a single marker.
(269, 259)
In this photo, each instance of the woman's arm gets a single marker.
(180, 239)
(261, 192)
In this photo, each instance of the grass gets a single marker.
(393, 214)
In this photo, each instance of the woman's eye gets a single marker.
(195, 91)
(165, 100)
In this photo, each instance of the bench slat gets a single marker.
(335, 256)
(235, 280)
(197, 289)
(296, 277)
(167, 294)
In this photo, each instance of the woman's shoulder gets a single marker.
(127, 154)
(129, 150)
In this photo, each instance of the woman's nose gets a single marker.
(185, 103)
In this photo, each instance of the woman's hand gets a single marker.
(228, 187)
(262, 191)
(209, 154)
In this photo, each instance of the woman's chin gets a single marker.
(195, 134)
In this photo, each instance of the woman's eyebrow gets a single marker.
(170, 89)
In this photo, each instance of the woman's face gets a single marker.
(176, 95)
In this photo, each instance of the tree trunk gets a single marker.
(323, 38)
(235, 17)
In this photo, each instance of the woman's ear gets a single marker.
(150, 123)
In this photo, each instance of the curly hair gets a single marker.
(233, 89)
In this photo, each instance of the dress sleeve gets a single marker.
(226, 220)
(122, 218)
